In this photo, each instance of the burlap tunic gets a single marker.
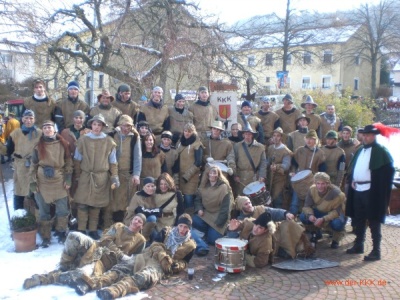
(139, 199)
(44, 110)
(288, 121)
(315, 121)
(52, 189)
(177, 120)
(332, 157)
(217, 149)
(129, 107)
(325, 126)
(306, 161)
(23, 149)
(280, 175)
(94, 187)
(212, 199)
(295, 140)
(68, 108)
(203, 116)
(169, 213)
(155, 117)
(268, 120)
(151, 167)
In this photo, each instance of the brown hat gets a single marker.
(125, 120)
(248, 129)
(105, 93)
(278, 130)
(312, 134)
(99, 118)
(217, 125)
(240, 200)
(322, 176)
(303, 116)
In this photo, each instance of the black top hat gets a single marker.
(369, 129)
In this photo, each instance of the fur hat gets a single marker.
(73, 85)
(265, 220)
(331, 134)
(312, 134)
(105, 93)
(99, 118)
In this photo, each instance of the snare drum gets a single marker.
(257, 193)
(230, 255)
(301, 183)
(220, 165)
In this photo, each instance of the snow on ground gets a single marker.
(16, 267)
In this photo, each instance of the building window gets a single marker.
(88, 81)
(269, 59)
(56, 83)
(289, 59)
(307, 58)
(306, 82)
(328, 56)
(356, 84)
(101, 80)
(267, 79)
(357, 60)
(251, 61)
(326, 82)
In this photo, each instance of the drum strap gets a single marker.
(246, 150)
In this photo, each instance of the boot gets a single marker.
(67, 278)
(358, 248)
(42, 279)
(81, 287)
(101, 281)
(124, 287)
(337, 236)
(373, 256)
(45, 233)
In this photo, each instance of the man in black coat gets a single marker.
(371, 175)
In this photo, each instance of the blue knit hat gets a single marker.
(73, 85)
(246, 103)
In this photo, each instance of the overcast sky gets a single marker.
(231, 11)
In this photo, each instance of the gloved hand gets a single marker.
(166, 264)
(33, 187)
(178, 266)
(210, 160)
(229, 171)
(115, 182)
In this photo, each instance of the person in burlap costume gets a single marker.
(204, 113)
(296, 138)
(244, 171)
(50, 178)
(179, 116)
(315, 120)
(329, 121)
(110, 113)
(349, 146)
(155, 112)
(40, 103)
(83, 255)
(72, 134)
(153, 159)
(289, 239)
(124, 103)
(143, 202)
(170, 152)
(212, 207)
(308, 157)
(129, 157)
(190, 160)
(20, 145)
(170, 200)
(279, 159)
(259, 234)
(217, 148)
(65, 108)
(269, 119)
(324, 208)
(96, 169)
(247, 119)
(288, 114)
(335, 158)
(169, 254)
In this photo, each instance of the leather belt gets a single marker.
(168, 214)
(362, 182)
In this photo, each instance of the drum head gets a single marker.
(220, 165)
(228, 243)
(300, 175)
(253, 188)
